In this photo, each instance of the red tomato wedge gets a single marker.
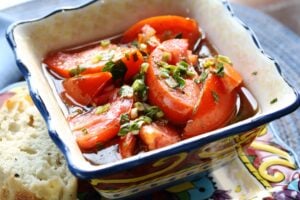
(232, 78)
(127, 145)
(166, 27)
(177, 104)
(92, 60)
(133, 63)
(84, 88)
(216, 106)
(156, 135)
(93, 128)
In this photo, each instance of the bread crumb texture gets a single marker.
(31, 166)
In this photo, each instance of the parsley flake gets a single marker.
(273, 101)
(215, 96)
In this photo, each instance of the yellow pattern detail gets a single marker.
(238, 189)
(265, 147)
(278, 176)
(181, 187)
(252, 169)
(181, 158)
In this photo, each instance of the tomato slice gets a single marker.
(215, 108)
(82, 89)
(157, 135)
(127, 145)
(177, 104)
(133, 63)
(232, 78)
(93, 128)
(166, 27)
(93, 60)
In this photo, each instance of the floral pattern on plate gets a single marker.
(267, 169)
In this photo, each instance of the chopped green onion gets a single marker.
(219, 69)
(77, 70)
(139, 106)
(143, 46)
(133, 125)
(124, 119)
(144, 67)
(102, 109)
(164, 73)
(171, 82)
(153, 112)
(97, 59)
(104, 43)
(126, 91)
(138, 85)
(166, 56)
(223, 59)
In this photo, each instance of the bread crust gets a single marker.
(31, 166)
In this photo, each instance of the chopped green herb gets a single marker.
(219, 69)
(77, 70)
(223, 59)
(153, 112)
(104, 43)
(138, 85)
(102, 109)
(215, 96)
(108, 66)
(208, 63)
(124, 118)
(180, 81)
(117, 69)
(273, 101)
(183, 64)
(166, 56)
(144, 67)
(139, 106)
(126, 91)
(191, 73)
(133, 126)
(97, 59)
(135, 43)
(85, 131)
(164, 73)
(171, 82)
(254, 73)
(202, 77)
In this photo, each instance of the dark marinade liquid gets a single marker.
(246, 105)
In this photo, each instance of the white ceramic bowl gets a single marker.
(32, 40)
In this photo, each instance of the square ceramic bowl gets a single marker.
(32, 40)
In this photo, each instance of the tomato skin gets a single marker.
(133, 63)
(127, 145)
(177, 104)
(166, 27)
(92, 129)
(157, 135)
(215, 108)
(84, 88)
(93, 60)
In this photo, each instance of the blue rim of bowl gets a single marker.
(182, 146)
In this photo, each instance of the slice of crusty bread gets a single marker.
(31, 166)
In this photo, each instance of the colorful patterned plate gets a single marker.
(268, 169)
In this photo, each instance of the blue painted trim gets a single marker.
(140, 159)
